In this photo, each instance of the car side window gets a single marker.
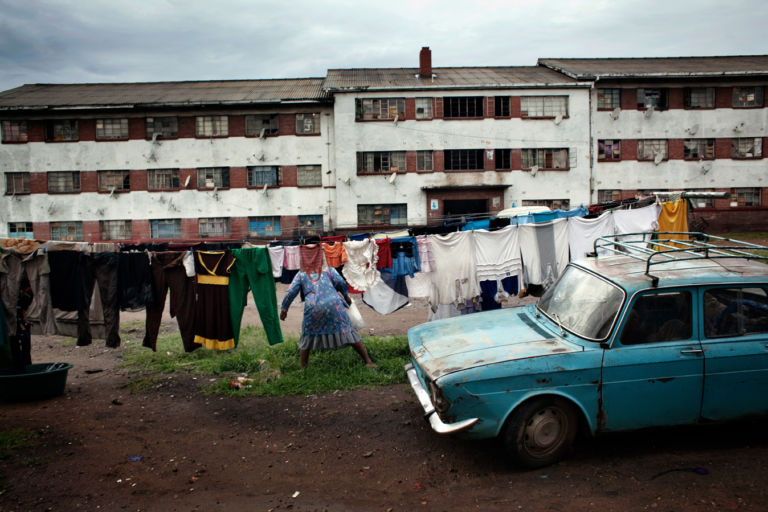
(735, 311)
(659, 316)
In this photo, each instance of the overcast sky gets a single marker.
(71, 41)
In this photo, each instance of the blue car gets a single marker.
(646, 334)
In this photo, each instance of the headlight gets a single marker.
(436, 395)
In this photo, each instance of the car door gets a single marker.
(735, 343)
(653, 371)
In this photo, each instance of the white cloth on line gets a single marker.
(360, 269)
(277, 256)
(497, 253)
(544, 247)
(641, 220)
(583, 232)
(188, 260)
(455, 274)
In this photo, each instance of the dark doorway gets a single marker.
(469, 208)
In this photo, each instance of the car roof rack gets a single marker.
(659, 247)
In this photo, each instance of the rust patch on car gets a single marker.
(561, 349)
(543, 381)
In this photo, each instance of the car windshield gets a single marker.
(582, 303)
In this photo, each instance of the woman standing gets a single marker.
(326, 324)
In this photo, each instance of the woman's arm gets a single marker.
(290, 294)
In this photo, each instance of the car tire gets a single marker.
(540, 432)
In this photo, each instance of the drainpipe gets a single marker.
(592, 89)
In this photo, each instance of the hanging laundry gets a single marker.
(253, 270)
(388, 295)
(10, 279)
(426, 258)
(637, 220)
(134, 278)
(66, 278)
(40, 312)
(674, 217)
(455, 276)
(100, 268)
(335, 255)
(292, 257)
(213, 323)
(497, 253)
(385, 253)
(360, 269)
(544, 247)
(169, 273)
(419, 286)
(494, 292)
(311, 258)
(405, 256)
(476, 224)
(277, 256)
(582, 234)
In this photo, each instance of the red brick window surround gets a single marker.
(212, 126)
(608, 98)
(166, 127)
(61, 130)
(655, 150)
(464, 160)
(15, 131)
(115, 230)
(543, 107)
(463, 107)
(746, 147)
(64, 181)
(699, 149)
(424, 108)
(747, 97)
(373, 162)
(163, 179)
(381, 109)
(609, 150)
(111, 129)
(16, 183)
(545, 158)
(261, 125)
(699, 97)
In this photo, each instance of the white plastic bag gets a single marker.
(355, 317)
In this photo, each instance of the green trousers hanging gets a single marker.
(253, 270)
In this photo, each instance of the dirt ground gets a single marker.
(172, 448)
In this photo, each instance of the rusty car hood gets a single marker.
(446, 346)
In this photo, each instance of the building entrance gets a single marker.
(470, 208)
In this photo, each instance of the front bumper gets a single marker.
(429, 409)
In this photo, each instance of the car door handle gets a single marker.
(696, 351)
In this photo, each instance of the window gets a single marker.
(501, 106)
(652, 149)
(463, 106)
(424, 161)
(107, 129)
(747, 147)
(423, 108)
(163, 179)
(503, 158)
(609, 150)
(699, 97)
(16, 183)
(261, 125)
(545, 158)
(745, 197)
(732, 312)
(656, 317)
(702, 202)
(552, 204)
(543, 106)
(115, 230)
(64, 181)
(464, 160)
(61, 130)
(264, 226)
(165, 228)
(703, 149)
(20, 230)
(376, 109)
(745, 97)
(14, 131)
(110, 181)
(163, 127)
(608, 99)
(213, 177)
(310, 224)
(607, 196)
(307, 124)
(656, 98)
(309, 176)
(70, 231)
(382, 214)
(260, 175)
(212, 126)
(381, 161)
(214, 227)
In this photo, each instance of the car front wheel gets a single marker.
(540, 432)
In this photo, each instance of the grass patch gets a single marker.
(14, 439)
(142, 384)
(275, 370)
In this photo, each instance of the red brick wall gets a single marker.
(41, 230)
(186, 127)
(489, 163)
(192, 174)
(675, 98)
(137, 128)
(286, 124)
(723, 97)
(514, 106)
(238, 177)
(516, 159)
(190, 228)
(91, 232)
(410, 109)
(438, 160)
(676, 149)
(289, 224)
(237, 126)
(140, 229)
(629, 149)
(410, 161)
(490, 105)
(35, 131)
(290, 175)
(86, 129)
(138, 180)
(38, 183)
(722, 148)
(437, 111)
(629, 99)
(89, 181)
(239, 227)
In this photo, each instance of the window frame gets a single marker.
(301, 118)
(708, 145)
(269, 124)
(11, 183)
(552, 204)
(304, 227)
(614, 101)
(737, 95)
(218, 125)
(219, 178)
(377, 160)
(661, 95)
(708, 101)
(739, 143)
(112, 128)
(167, 129)
(74, 177)
(69, 127)
(14, 232)
(121, 176)
(124, 228)
(254, 171)
(543, 154)
(425, 160)
(652, 144)
(737, 294)
(463, 107)
(215, 227)
(315, 167)
(614, 193)
(379, 109)
(430, 107)
(644, 317)
(602, 154)
(386, 210)
(525, 108)
(741, 193)
(505, 111)
(460, 160)
(174, 177)
(68, 226)
(502, 157)
(156, 225)
(15, 131)
(266, 233)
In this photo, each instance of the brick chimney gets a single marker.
(425, 62)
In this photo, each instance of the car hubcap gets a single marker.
(544, 431)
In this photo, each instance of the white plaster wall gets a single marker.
(352, 137)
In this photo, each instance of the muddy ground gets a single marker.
(172, 448)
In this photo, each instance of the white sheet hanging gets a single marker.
(544, 247)
(455, 274)
(583, 232)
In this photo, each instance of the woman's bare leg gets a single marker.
(360, 349)
(304, 357)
